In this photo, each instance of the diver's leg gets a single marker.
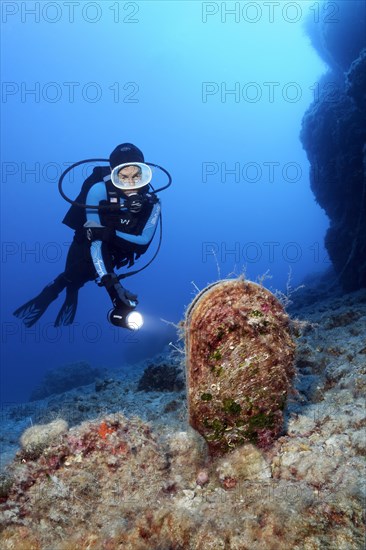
(35, 308)
(67, 313)
(79, 266)
(79, 270)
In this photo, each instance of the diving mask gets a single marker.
(130, 176)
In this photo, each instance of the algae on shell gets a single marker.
(240, 357)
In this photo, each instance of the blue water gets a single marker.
(215, 97)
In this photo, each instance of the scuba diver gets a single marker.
(113, 229)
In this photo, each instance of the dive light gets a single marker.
(125, 317)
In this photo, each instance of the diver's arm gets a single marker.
(96, 194)
(148, 231)
(100, 255)
(97, 257)
(117, 293)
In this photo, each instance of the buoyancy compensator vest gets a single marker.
(110, 212)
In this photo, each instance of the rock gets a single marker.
(161, 378)
(334, 135)
(36, 438)
(171, 406)
(245, 463)
(101, 385)
(64, 378)
(343, 24)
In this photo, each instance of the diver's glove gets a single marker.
(104, 234)
(118, 294)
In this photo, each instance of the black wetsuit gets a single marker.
(129, 236)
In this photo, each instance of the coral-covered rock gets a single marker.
(245, 463)
(356, 80)
(334, 136)
(338, 34)
(36, 438)
(161, 378)
(239, 364)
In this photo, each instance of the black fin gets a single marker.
(34, 309)
(67, 313)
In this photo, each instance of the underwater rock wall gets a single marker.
(239, 364)
(334, 136)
